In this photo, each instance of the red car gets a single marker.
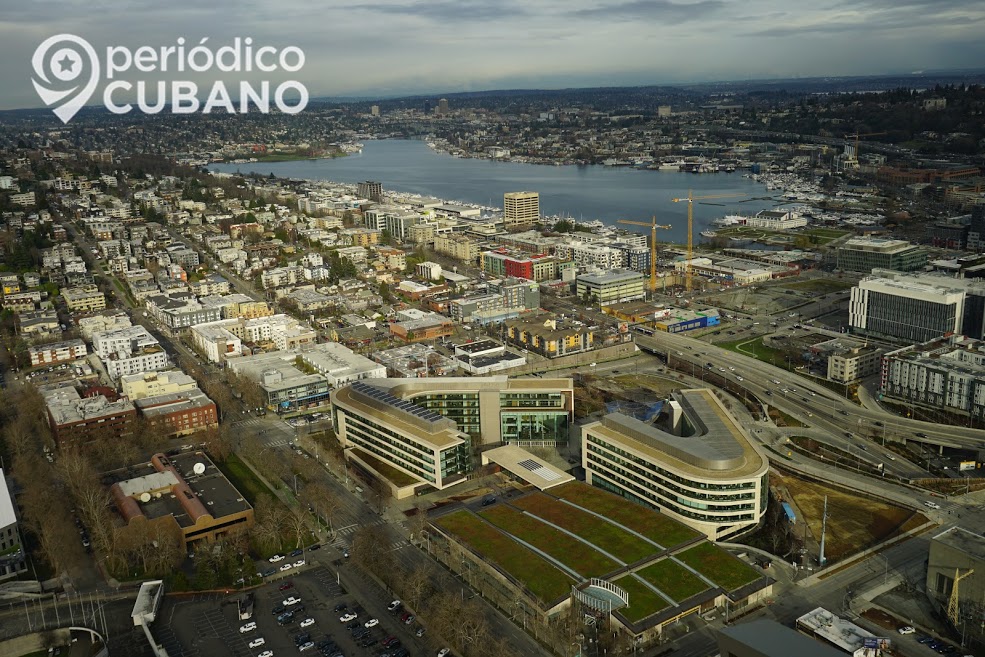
(286, 586)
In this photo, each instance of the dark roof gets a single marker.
(767, 638)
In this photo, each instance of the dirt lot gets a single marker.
(854, 523)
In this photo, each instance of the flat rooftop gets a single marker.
(771, 639)
(835, 630)
(478, 346)
(963, 540)
(7, 516)
(533, 470)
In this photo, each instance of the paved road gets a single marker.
(759, 377)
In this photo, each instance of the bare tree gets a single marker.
(323, 500)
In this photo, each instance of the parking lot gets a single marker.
(207, 627)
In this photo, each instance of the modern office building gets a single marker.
(909, 309)
(521, 209)
(699, 466)
(946, 374)
(13, 557)
(426, 428)
(863, 254)
(613, 286)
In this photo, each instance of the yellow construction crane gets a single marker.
(690, 199)
(653, 225)
(952, 603)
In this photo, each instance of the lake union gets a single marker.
(580, 192)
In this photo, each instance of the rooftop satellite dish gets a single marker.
(199, 468)
(145, 497)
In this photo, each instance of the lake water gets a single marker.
(580, 192)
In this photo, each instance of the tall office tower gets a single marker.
(427, 107)
(370, 189)
(521, 208)
(375, 110)
(443, 106)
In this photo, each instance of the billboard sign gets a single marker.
(966, 465)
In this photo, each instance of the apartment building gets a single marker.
(152, 384)
(57, 352)
(946, 374)
(458, 246)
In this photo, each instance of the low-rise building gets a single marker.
(458, 246)
(849, 360)
(38, 322)
(484, 357)
(957, 552)
(178, 414)
(109, 320)
(429, 271)
(549, 337)
(863, 254)
(152, 384)
(129, 351)
(216, 342)
(699, 466)
(177, 314)
(185, 496)
(947, 374)
(614, 286)
(430, 327)
(76, 420)
(57, 352)
(340, 365)
(84, 299)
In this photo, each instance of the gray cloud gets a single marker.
(386, 47)
(663, 11)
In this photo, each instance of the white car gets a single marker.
(249, 627)
(393, 606)
(906, 629)
(257, 642)
(276, 558)
(299, 563)
(348, 616)
(372, 622)
(286, 566)
(291, 601)
(307, 622)
(443, 652)
(931, 505)
(266, 653)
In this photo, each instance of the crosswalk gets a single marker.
(343, 536)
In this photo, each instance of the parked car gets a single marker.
(299, 563)
(257, 642)
(291, 601)
(285, 567)
(394, 606)
(307, 622)
(286, 586)
(249, 627)
(443, 652)
(906, 629)
(345, 618)
(276, 558)
(297, 553)
(372, 622)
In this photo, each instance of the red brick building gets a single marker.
(180, 413)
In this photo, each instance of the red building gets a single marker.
(180, 413)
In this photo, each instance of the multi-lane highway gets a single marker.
(803, 395)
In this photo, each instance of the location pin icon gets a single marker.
(61, 62)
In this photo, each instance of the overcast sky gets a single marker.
(387, 47)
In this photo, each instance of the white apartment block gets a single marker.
(590, 256)
(281, 276)
(216, 342)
